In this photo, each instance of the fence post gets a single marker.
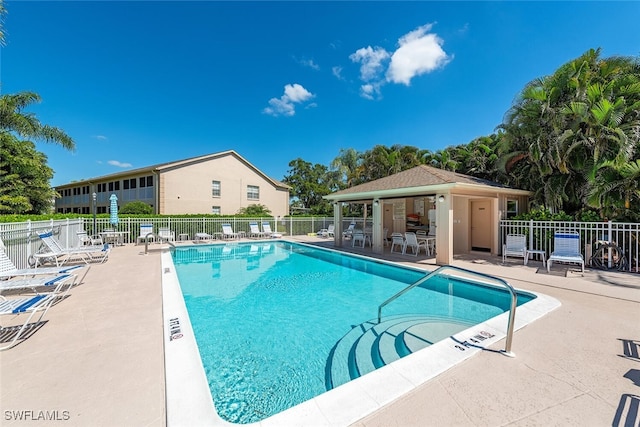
(531, 234)
(609, 232)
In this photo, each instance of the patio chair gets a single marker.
(55, 252)
(266, 228)
(411, 241)
(166, 235)
(53, 283)
(254, 230)
(515, 245)
(397, 240)
(202, 238)
(10, 335)
(8, 268)
(85, 240)
(228, 233)
(346, 234)
(146, 234)
(358, 236)
(327, 232)
(566, 248)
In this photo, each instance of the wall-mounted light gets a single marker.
(441, 199)
(376, 202)
(335, 203)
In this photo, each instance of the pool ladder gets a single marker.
(512, 311)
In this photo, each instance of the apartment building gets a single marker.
(219, 183)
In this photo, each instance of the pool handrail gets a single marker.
(512, 311)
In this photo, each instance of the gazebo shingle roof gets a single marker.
(420, 176)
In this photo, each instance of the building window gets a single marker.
(150, 181)
(253, 192)
(143, 182)
(125, 184)
(132, 183)
(215, 210)
(512, 208)
(215, 188)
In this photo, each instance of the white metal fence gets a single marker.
(620, 240)
(20, 238)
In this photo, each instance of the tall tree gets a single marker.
(24, 177)
(563, 127)
(24, 174)
(308, 184)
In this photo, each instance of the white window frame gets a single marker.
(213, 188)
(215, 210)
(511, 211)
(253, 192)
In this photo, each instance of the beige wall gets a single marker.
(461, 225)
(187, 189)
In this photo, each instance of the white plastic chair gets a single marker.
(357, 236)
(411, 241)
(397, 239)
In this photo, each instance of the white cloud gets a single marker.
(337, 72)
(101, 137)
(371, 61)
(419, 53)
(309, 63)
(371, 91)
(284, 106)
(119, 164)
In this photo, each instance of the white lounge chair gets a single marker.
(53, 283)
(228, 233)
(202, 238)
(254, 230)
(566, 248)
(327, 232)
(346, 234)
(515, 245)
(9, 269)
(411, 241)
(56, 253)
(266, 228)
(10, 335)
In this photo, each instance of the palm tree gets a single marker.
(347, 164)
(26, 125)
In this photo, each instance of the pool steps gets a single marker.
(371, 345)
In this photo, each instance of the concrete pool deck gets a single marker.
(99, 361)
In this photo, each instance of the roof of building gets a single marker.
(419, 179)
(176, 164)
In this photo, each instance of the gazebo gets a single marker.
(464, 210)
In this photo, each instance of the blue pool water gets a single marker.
(270, 318)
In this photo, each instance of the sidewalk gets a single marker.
(99, 358)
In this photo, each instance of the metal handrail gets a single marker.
(512, 311)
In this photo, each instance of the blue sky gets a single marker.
(136, 83)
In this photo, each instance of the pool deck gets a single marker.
(98, 359)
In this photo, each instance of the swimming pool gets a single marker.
(256, 307)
